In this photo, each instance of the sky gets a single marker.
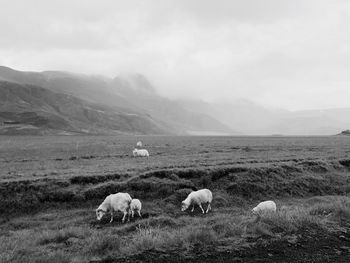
(291, 54)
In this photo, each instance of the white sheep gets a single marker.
(263, 207)
(198, 197)
(113, 203)
(139, 144)
(135, 205)
(140, 153)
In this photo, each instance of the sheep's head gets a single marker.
(184, 206)
(134, 152)
(255, 211)
(100, 213)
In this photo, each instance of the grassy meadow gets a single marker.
(50, 187)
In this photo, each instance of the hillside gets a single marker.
(28, 109)
(131, 102)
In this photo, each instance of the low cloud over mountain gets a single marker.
(63, 102)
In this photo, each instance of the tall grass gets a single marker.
(291, 220)
(147, 238)
(101, 244)
(61, 235)
(334, 208)
(166, 233)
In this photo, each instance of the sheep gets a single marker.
(113, 203)
(135, 205)
(139, 144)
(263, 207)
(140, 153)
(198, 197)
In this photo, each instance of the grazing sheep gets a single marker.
(263, 207)
(198, 197)
(139, 144)
(140, 153)
(135, 205)
(113, 203)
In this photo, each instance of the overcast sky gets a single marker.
(289, 54)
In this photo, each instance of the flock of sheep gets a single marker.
(124, 203)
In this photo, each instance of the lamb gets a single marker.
(198, 197)
(113, 203)
(139, 144)
(135, 205)
(263, 207)
(140, 153)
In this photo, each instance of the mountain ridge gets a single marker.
(134, 94)
(127, 96)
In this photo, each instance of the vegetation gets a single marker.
(51, 217)
(183, 234)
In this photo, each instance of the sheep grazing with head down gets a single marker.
(135, 206)
(113, 203)
(140, 153)
(139, 144)
(198, 198)
(264, 207)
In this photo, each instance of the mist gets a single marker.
(279, 54)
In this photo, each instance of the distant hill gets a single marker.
(253, 119)
(93, 104)
(346, 132)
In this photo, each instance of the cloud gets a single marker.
(292, 54)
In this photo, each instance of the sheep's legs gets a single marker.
(123, 219)
(111, 217)
(200, 205)
(208, 208)
(128, 215)
(139, 213)
(132, 214)
(192, 208)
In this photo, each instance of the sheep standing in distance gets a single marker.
(113, 203)
(198, 197)
(140, 153)
(135, 205)
(263, 207)
(139, 144)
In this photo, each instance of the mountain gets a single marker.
(142, 95)
(253, 119)
(242, 115)
(29, 109)
(130, 104)
(94, 104)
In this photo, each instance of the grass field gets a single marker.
(50, 186)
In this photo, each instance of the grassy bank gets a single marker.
(292, 179)
(76, 239)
